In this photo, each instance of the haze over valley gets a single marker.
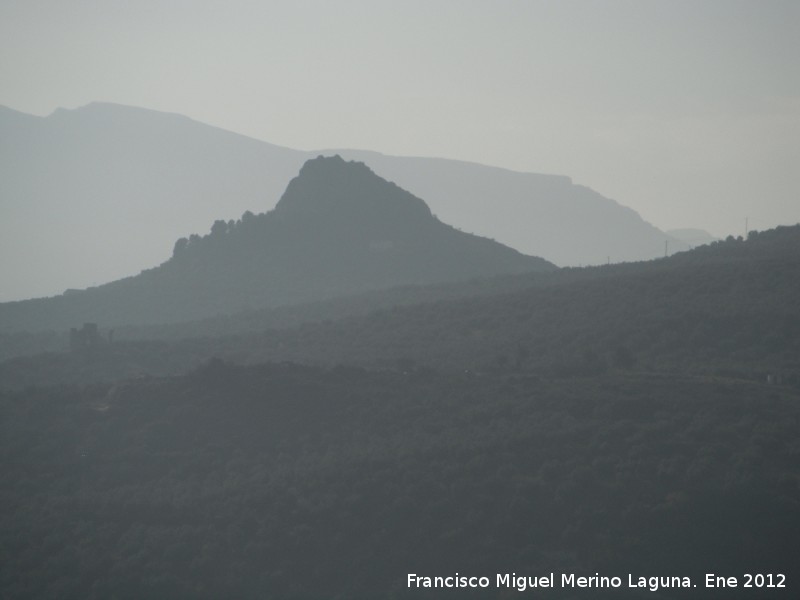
(375, 300)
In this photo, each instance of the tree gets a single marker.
(219, 228)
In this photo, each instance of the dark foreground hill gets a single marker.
(297, 482)
(338, 229)
(615, 421)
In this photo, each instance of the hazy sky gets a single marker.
(688, 112)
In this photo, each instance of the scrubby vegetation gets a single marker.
(637, 419)
(729, 309)
(289, 481)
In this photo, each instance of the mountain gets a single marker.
(101, 192)
(601, 420)
(729, 308)
(338, 229)
(542, 215)
(726, 310)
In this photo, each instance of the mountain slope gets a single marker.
(728, 309)
(308, 483)
(101, 192)
(337, 230)
(542, 215)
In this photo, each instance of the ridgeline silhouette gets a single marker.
(131, 181)
(338, 229)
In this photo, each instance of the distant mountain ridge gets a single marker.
(542, 215)
(101, 192)
(338, 229)
(692, 237)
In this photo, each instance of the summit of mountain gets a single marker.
(97, 193)
(330, 187)
(338, 229)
